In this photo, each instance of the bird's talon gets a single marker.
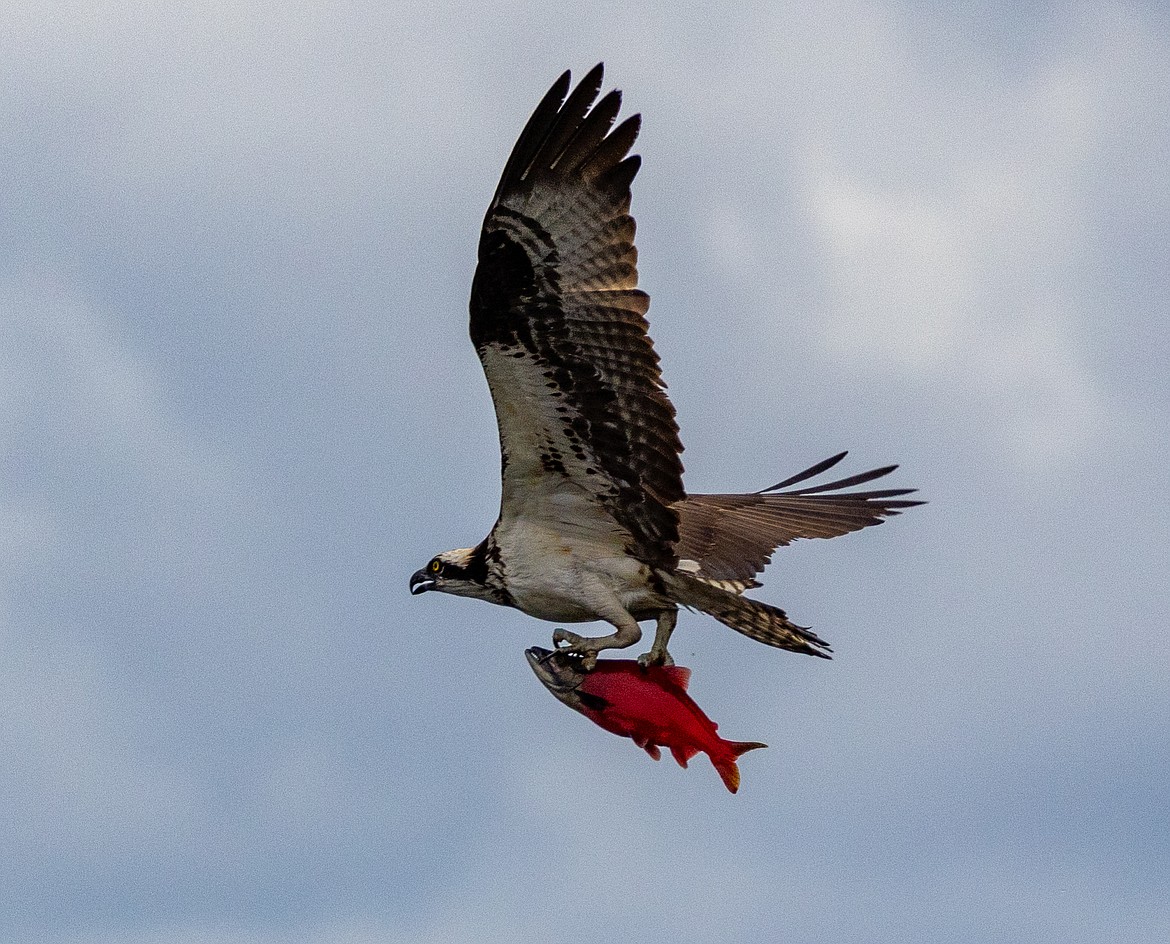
(647, 659)
(588, 660)
(565, 640)
(571, 644)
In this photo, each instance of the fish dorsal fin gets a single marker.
(680, 675)
(683, 753)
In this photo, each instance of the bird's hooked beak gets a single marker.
(420, 582)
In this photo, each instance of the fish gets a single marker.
(648, 704)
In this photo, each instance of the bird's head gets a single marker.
(461, 572)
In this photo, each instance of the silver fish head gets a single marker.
(560, 673)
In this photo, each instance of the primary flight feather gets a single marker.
(594, 521)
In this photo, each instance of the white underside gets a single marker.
(561, 578)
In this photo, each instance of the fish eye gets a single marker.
(436, 566)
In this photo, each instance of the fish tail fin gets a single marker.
(756, 620)
(726, 764)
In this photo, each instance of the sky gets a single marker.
(238, 407)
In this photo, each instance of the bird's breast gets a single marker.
(553, 579)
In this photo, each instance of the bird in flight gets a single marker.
(594, 522)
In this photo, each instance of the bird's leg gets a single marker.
(605, 605)
(627, 632)
(658, 654)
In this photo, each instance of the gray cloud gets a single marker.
(238, 407)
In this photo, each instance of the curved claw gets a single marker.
(563, 635)
(647, 659)
(572, 644)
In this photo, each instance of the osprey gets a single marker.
(594, 522)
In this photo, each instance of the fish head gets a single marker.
(559, 672)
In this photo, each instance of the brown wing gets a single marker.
(732, 537)
(588, 438)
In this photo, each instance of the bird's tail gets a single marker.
(759, 621)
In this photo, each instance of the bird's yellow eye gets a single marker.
(436, 566)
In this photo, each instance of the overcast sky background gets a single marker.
(238, 407)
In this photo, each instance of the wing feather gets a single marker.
(558, 322)
(589, 133)
(732, 537)
(616, 145)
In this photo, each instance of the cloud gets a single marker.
(953, 207)
(238, 407)
(962, 282)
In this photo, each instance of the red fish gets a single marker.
(649, 705)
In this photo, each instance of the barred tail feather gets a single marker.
(756, 620)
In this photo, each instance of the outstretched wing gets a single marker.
(732, 537)
(588, 441)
